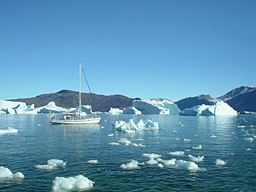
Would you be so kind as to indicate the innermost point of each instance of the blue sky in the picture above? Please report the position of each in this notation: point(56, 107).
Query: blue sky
point(139, 48)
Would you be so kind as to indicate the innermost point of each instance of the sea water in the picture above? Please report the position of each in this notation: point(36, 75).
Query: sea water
point(224, 138)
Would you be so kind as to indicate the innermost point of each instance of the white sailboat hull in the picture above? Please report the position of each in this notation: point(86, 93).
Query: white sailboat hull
point(77, 121)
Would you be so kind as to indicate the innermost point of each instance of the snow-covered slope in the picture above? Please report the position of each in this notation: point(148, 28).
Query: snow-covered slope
point(219, 109)
point(156, 106)
point(51, 108)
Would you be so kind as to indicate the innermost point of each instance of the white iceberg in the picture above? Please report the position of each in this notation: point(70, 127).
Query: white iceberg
point(8, 131)
point(199, 147)
point(115, 111)
point(177, 153)
point(51, 108)
point(220, 162)
point(131, 110)
point(167, 163)
point(197, 159)
point(132, 127)
point(219, 109)
point(131, 165)
point(6, 173)
point(77, 183)
point(156, 106)
point(186, 165)
point(94, 161)
point(13, 107)
point(52, 164)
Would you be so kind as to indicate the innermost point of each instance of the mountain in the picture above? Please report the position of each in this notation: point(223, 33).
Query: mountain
point(241, 99)
point(193, 101)
point(68, 99)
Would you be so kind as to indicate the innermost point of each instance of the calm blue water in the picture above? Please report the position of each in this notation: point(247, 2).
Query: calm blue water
point(37, 141)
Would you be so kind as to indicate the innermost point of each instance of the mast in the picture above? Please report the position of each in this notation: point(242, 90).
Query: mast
point(80, 89)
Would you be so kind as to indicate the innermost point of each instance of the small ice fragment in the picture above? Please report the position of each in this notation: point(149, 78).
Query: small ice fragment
point(249, 139)
point(131, 165)
point(248, 149)
point(160, 165)
point(46, 167)
point(114, 143)
point(18, 175)
point(167, 163)
point(138, 145)
point(56, 162)
point(124, 141)
point(199, 147)
point(110, 135)
point(187, 140)
point(220, 162)
point(213, 136)
point(151, 162)
point(77, 183)
point(186, 165)
point(151, 155)
point(7, 131)
point(93, 161)
point(196, 159)
point(177, 153)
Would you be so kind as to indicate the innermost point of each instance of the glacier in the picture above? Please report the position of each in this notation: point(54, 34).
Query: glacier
point(219, 109)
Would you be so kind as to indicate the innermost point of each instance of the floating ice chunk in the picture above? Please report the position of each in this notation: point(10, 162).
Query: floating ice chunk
point(196, 159)
point(115, 111)
point(131, 165)
point(249, 139)
point(46, 167)
point(167, 163)
point(18, 175)
point(9, 130)
point(151, 155)
point(199, 147)
point(177, 153)
point(186, 165)
point(151, 162)
point(187, 140)
point(181, 124)
point(93, 161)
point(241, 126)
point(248, 149)
point(124, 141)
point(6, 173)
point(132, 127)
point(138, 145)
point(213, 136)
point(52, 164)
point(220, 162)
point(77, 183)
point(114, 143)
point(110, 135)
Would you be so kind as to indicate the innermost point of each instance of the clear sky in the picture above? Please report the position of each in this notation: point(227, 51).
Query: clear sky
point(139, 48)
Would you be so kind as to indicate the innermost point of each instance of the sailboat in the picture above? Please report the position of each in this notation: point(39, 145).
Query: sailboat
point(78, 119)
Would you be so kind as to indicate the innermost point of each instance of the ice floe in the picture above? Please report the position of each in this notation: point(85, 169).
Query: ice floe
point(114, 143)
point(131, 110)
point(196, 159)
point(177, 153)
point(199, 147)
point(52, 164)
point(156, 106)
point(115, 111)
point(187, 140)
point(249, 139)
point(151, 155)
point(131, 165)
point(77, 183)
point(220, 162)
point(219, 109)
point(6, 174)
point(8, 131)
point(186, 165)
point(94, 161)
point(132, 127)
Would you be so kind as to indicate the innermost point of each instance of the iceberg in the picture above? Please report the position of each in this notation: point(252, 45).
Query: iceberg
point(115, 111)
point(8, 131)
point(186, 165)
point(131, 110)
point(219, 109)
point(220, 162)
point(156, 106)
point(196, 159)
point(132, 127)
point(77, 183)
point(51, 108)
point(52, 164)
point(131, 165)
point(6, 173)
point(13, 107)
